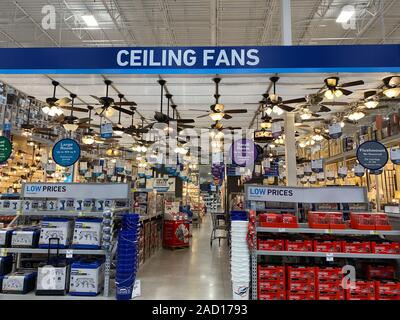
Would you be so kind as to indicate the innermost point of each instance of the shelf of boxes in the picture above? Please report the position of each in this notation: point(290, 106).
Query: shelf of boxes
point(5, 251)
point(327, 255)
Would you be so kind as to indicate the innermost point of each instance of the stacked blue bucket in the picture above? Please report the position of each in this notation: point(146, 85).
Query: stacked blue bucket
point(127, 253)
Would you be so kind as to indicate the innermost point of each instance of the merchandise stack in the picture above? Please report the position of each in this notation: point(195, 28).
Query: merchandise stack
point(240, 262)
point(127, 256)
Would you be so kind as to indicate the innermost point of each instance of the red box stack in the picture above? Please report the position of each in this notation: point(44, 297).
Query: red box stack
point(380, 271)
point(322, 245)
point(275, 220)
point(387, 290)
point(363, 290)
point(369, 221)
point(329, 280)
point(271, 244)
point(349, 246)
point(385, 247)
point(301, 282)
point(299, 245)
point(271, 282)
point(326, 220)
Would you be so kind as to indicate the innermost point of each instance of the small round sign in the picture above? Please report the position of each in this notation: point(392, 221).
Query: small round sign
point(372, 155)
point(5, 149)
point(66, 152)
point(243, 152)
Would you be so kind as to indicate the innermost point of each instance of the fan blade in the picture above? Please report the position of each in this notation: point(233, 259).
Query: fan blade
point(83, 120)
point(277, 120)
point(299, 100)
point(184, 120)
point(314, 88)
point(42, 129)
point(236, 111)
point(326, 136)
point(227, 116)
point(312, 120)
point(203, 116)
point(63, 102)
point(315, 115)
point(233, 128)
point(346, 92)
point(335, 103)
point(47, 134)
point(352, 84)
point(122, 110)
point(125, 103)
point(198, 110)
point(286, 108)
point(324, 109)
point(74, 109)
point(97, 98)
point(185, 126)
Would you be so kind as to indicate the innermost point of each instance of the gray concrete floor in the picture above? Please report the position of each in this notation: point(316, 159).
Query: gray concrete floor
point(200, 272)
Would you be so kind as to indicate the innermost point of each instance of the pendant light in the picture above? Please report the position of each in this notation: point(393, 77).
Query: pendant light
point(218, 108)
point(88, 138)
point(70, 125)
point(118, 129)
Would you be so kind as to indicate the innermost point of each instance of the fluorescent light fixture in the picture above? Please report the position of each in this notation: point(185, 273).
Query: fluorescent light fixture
point(90, 21)
point(346, 14)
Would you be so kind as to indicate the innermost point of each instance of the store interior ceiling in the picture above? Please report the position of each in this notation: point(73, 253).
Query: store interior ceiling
point(196, 92)
point(194, 23)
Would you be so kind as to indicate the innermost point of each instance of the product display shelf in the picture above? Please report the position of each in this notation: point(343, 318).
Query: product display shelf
point(327, 255)
point(144, 218)
point(303, 228)
point(5, 251)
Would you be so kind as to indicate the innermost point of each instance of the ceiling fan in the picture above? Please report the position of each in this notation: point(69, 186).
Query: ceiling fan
point(108, 103)
point(163, 118)
point(29, 129)
point(218, 111)
point(333, 89)
point(54, 104)
point(72, 123)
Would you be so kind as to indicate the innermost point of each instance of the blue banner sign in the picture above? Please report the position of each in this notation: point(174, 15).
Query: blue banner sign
point(66, 152)
point(189, 60)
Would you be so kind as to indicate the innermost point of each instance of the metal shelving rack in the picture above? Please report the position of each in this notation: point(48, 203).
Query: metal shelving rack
point(69, 252)
point(304, 229)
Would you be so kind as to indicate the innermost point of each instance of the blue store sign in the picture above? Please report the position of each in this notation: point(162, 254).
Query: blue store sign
point(66, 152)
point(189, 60)
point(372, 155)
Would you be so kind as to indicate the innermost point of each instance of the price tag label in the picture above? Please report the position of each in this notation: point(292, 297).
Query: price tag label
point(373, 232)
point(3, 252)
point(69, 254)
point(281, 230)
point(329, 257)
point(328, 231)
point(136, 291)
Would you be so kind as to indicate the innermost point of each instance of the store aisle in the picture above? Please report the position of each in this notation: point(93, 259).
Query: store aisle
point(200, 272)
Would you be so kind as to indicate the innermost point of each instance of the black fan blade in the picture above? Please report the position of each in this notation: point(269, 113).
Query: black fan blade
point(203, 116)
point(184, 120)
point(352, 84)
point(324, 109)
point(74, 109)
point(346, 92)
point(233, 128)
point(122, 110)
point(335, 103)
point(312, 120)
point(299, 100)
point(326, 136)
point(227, 116)
point(97, 98)
point(315, 115)
point(236, 111)
point(286, 108)
point(125, 103)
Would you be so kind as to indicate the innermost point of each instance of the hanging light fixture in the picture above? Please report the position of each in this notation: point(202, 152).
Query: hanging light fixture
point(317, 137)
point(278, 111)
point(392, 93)
point(217, 116)
point(305, 116)
point(71, 126)
point(88, 138)
point(356, 116)
point(371, 104)
point(268, 111)
point(118, 129)
point(302, 144)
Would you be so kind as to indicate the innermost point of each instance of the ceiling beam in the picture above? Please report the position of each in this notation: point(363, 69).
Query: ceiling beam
point(167, 21)
point(214, 22)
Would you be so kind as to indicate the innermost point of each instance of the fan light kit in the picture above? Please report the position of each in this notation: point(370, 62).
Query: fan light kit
point(88, 139)
point(305, 116)
point(317, 137)
point(332, 94)
point(392, 92)
point(216, 116)
point(357, 115)
point(265, 125)
point(70, 126)
point(278, 111)
point(371, 104)
point(302, 144)
point(118, 131)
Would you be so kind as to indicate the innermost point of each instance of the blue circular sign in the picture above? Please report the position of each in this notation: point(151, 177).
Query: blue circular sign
point(66, 152)
point(243, 152)
point(372, 155)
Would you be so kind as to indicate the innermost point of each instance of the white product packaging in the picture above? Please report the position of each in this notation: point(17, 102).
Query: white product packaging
point(55, 228)
point(88, 281)
point(51, 205)
point(24, 238)
point(87, 234)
